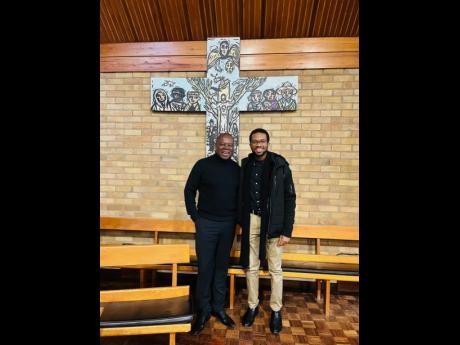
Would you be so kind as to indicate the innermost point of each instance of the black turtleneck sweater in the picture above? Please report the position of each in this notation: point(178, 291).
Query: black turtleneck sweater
point(217, 181)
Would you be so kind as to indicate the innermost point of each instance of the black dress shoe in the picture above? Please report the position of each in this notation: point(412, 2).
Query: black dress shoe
point(224, 318)
point(199, 324)
point(275, 322)
point(249, 316)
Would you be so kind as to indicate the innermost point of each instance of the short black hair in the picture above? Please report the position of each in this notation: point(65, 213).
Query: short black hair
point(259, 130)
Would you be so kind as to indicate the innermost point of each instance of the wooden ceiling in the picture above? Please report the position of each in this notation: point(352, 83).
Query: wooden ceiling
point(123, 21)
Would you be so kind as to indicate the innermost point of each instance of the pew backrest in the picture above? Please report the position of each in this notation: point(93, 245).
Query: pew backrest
point(125, 256)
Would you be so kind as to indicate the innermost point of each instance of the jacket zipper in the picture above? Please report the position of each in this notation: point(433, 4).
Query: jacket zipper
point(270, 205)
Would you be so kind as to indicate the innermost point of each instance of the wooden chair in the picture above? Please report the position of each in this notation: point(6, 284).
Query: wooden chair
point(146, 310)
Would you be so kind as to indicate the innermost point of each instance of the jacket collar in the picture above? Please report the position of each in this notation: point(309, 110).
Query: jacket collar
point(272, 157)
point(269, 157)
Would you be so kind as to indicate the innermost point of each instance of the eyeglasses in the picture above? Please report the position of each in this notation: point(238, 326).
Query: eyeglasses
point(255, 142)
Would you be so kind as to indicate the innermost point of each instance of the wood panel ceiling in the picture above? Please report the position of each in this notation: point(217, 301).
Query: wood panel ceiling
point(124, 21)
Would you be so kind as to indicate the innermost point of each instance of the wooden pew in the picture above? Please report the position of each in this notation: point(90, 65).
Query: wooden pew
point(313, 266)
point(146, 310)
point(322, 268)
point(154, 226)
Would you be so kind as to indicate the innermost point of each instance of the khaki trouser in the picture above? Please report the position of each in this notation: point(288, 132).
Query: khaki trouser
point(274, 254)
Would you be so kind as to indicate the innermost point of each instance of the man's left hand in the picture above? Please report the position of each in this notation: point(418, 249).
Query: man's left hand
point(282, 241)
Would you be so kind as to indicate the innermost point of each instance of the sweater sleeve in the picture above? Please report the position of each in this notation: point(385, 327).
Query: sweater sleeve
point(190, 190)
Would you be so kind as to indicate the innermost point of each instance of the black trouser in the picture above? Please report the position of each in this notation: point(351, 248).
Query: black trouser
point(213, 243)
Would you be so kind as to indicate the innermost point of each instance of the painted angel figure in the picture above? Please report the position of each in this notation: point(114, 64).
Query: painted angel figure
point(224, 57)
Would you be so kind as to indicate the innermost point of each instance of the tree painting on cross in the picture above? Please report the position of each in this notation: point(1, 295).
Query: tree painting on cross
point(223, 94)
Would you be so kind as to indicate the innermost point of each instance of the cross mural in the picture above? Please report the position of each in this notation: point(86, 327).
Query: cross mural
point(221, 93)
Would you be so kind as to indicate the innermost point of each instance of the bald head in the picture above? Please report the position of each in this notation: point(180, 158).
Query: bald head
point(222, 135)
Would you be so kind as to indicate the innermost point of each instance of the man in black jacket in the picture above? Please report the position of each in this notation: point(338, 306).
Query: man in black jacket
point(266, 214)
point(217, 179)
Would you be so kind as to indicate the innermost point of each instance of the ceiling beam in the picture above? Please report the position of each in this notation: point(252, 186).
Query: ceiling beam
point(269, 54)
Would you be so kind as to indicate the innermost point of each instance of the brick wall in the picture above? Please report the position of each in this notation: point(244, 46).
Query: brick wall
point(146, 157)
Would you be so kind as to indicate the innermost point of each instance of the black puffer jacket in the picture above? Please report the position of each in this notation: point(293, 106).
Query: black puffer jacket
point(277, 199)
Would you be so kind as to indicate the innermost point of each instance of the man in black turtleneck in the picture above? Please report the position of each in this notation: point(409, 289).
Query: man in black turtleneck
point(217, 179)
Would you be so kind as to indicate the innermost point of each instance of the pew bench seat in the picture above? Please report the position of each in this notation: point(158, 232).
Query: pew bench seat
point(168, 311)
point(297, 270)
point(288, 266)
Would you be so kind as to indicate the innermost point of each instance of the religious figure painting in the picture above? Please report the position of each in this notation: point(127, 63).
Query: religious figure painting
point(174, 94)
point(223, 94)
point(274, 94)
point(224, 56)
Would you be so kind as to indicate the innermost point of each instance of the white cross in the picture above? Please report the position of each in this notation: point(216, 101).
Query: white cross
point(221, 93)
